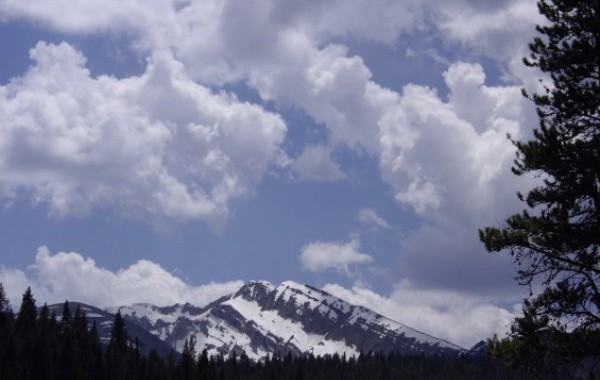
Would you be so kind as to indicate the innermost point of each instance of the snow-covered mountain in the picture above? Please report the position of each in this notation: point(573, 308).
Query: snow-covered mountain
point(261, 319)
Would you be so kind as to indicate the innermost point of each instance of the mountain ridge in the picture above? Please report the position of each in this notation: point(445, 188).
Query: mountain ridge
point(261, 319)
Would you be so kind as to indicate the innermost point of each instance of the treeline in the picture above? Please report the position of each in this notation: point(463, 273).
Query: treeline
point(36, 345)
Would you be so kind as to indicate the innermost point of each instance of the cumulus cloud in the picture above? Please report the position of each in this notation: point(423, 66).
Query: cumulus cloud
point(281, 53)
point(378, 20)
point(453, 316)
point(291, 62)
point(369, 216)
point(69, 275)
point(320, 256)
point(449, 161)
point(224, 41)
point(499, 31)
point(454, 154)
point(156, 145)
point(315, 164)
point(89, 16)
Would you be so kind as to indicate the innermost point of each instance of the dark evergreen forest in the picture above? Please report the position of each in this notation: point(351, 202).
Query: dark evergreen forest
point(35, 345)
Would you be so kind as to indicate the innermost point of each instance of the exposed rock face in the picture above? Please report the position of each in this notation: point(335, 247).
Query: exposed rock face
point(261, 319)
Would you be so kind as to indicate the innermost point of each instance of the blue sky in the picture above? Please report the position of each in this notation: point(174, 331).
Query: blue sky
point(167, 152)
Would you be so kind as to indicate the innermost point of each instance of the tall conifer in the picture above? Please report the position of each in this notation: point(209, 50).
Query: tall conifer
point(556, 241)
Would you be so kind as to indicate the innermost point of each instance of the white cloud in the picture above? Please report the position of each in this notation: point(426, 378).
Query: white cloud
point(455, 317)
point(315, 164)
point(449, 161)
point(500, 31)
point(453, 156)
point(70, 276)
point(225, 36)
point(157, 145)
point(89, 15)
point(290, 61)
point(15, 282)
point(320, 256)
point(368, 215)
point(286, 62)
point(446, 159)
point(377, 20)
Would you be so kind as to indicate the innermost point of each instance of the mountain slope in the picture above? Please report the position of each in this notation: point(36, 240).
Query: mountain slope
point(261, 319)
point(104, 322)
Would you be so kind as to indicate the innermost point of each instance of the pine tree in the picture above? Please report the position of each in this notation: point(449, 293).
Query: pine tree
point(117, 355)
point(66, 316)
point(95, 353)
point(79, 321)
point(44, 347)
point(25, 328)
point(556, 242)
point(26, 320)
point(8, 347)
point(187, 361)
point(202, 364)
point(118, 335)
point(4, 305)
point(68, 355)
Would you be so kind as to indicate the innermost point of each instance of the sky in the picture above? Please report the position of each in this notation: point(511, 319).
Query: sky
point(169, 151)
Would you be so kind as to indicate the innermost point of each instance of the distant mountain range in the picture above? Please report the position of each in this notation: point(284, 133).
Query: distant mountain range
point(262, 319)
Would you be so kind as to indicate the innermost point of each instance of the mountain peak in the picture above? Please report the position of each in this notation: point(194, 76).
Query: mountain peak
point(261, 319)
point(291, 284)
point(254, 290)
